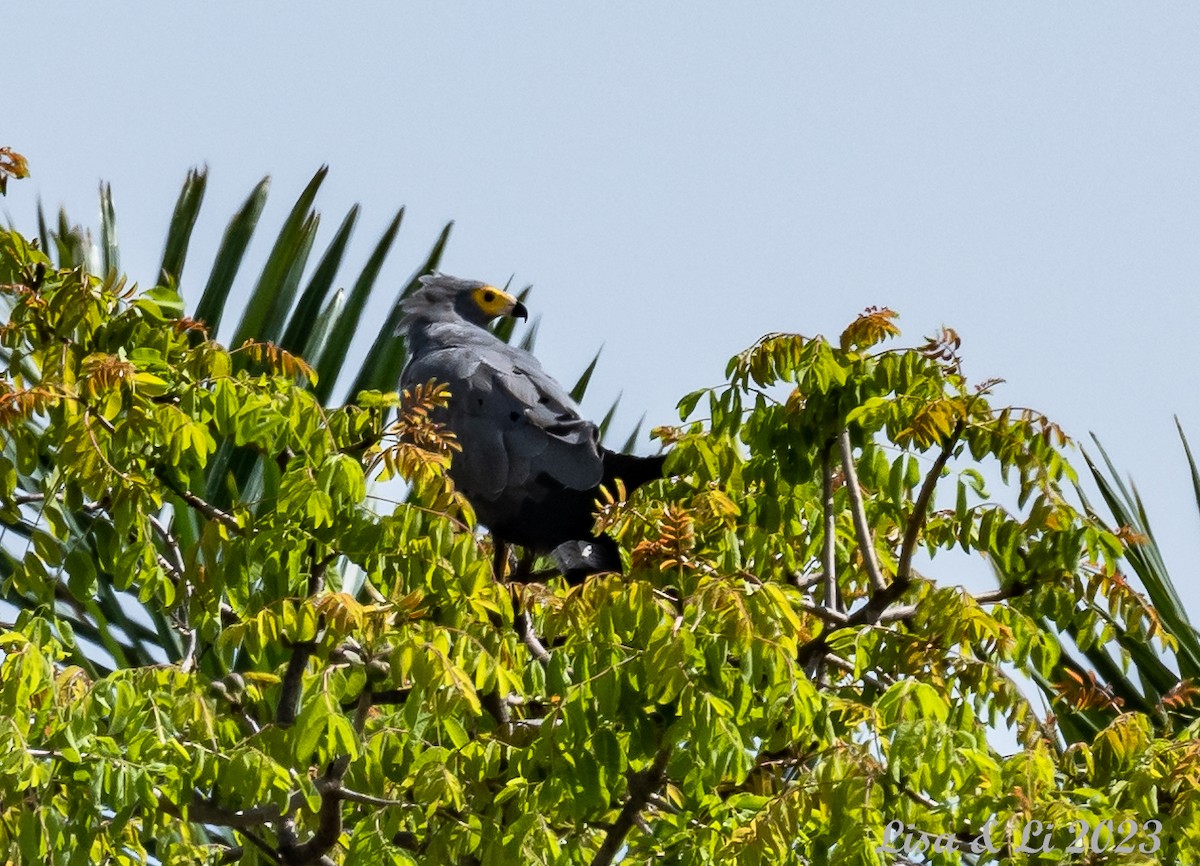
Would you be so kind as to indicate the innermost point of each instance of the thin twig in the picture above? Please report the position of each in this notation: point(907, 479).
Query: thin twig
point(1019, 587)
point(866, 543)
point(920, 799)
point(908, 611)
point(169, 567)
point(172, 545)
point(174, 566)
point(188, 663)
point(879, 601)
point(368, 799)
point(232, 854)
point(848, 666)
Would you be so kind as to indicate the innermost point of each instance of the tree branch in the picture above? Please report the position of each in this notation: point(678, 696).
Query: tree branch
point(390, 696)
point(524, 629)
point(316, 577)
point(917, 520)
point(902, 614)
point(820, 611)
point(848, 667)
point(171, 544)
point(207, 509)
point(804, 583)
point(329, 828)
point(268, 852)
point(880, 600)
point(200, 811)
point(898, 614)
point(1019, 587)
point(641, 787)
point(293, 680)
point(828, 548)
point(866, 543)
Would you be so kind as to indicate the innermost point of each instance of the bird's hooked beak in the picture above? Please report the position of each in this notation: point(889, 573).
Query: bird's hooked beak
point(497, 302)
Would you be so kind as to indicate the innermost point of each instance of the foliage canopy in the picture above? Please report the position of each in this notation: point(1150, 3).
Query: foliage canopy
point(305, 674)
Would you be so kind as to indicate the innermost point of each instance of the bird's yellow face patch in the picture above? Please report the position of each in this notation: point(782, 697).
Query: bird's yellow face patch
point(494, 302)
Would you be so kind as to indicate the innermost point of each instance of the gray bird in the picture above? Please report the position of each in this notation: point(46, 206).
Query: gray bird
point(530, 466)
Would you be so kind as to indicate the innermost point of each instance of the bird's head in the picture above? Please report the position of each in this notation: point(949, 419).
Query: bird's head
point(441, 296)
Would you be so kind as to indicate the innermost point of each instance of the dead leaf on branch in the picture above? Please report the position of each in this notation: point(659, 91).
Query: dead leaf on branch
point(12, 165)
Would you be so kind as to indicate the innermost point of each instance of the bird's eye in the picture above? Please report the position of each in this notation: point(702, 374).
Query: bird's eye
point(488, 297)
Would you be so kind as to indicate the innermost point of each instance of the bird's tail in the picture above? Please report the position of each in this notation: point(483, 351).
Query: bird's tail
point(633, 471)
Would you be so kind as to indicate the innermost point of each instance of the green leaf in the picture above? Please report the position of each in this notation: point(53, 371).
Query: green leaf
point(81, 571)
point(1195, 472)
point(688, 404)
point(1147, 560)
point(311, 727)
point(43, 230)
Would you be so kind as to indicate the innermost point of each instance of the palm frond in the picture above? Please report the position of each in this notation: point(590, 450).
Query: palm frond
point(1145, 558)
point(213, 303)
point(388, 352)
point(183, 221)
point(330, 363)
point(312, 300)
point(110, 257)
point(272, 296)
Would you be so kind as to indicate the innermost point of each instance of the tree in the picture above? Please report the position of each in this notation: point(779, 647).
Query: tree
point(321, 678)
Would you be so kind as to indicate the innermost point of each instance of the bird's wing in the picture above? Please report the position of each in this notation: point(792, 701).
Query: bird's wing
point(515, 423)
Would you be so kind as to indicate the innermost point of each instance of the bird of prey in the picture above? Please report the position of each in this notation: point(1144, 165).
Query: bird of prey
point(530, 466)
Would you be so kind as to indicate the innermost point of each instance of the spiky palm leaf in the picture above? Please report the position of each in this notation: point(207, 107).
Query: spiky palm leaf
point(1132, 673)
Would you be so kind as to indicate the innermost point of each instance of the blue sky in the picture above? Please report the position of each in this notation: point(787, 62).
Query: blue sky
point(677, 179)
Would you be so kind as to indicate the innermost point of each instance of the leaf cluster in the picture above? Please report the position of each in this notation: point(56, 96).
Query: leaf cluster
point(789, 664)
